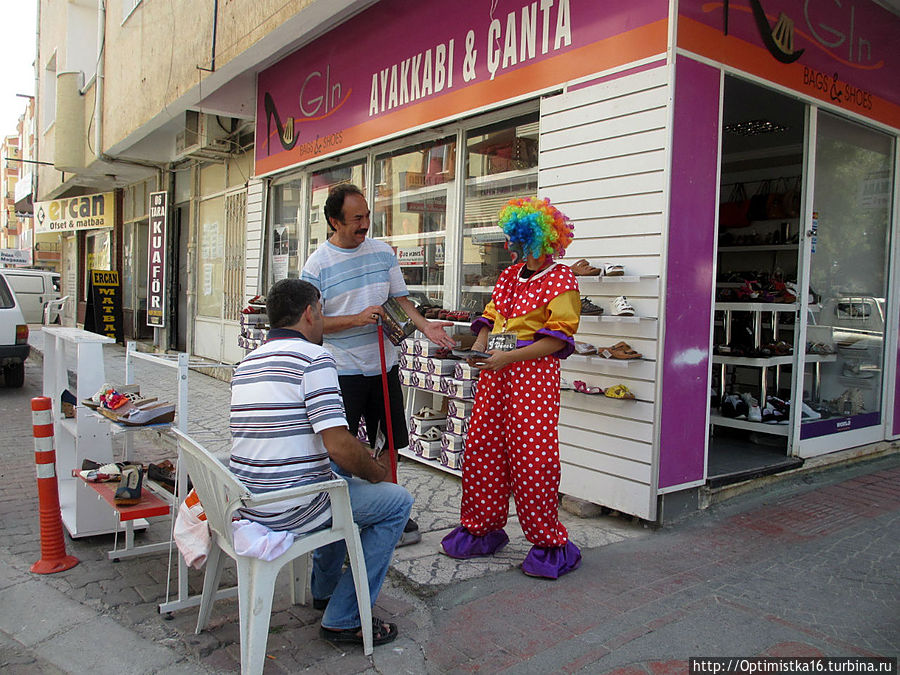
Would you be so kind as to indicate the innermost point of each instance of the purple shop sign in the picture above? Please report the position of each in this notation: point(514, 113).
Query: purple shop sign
point(845, 53)
point(402, 64)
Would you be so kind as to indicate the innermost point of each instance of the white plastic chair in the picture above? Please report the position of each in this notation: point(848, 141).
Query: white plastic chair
point(54, 306)
point(221, 494)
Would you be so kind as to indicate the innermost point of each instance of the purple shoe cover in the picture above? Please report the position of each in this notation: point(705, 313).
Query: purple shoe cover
point(552, 563)
point(461, 544)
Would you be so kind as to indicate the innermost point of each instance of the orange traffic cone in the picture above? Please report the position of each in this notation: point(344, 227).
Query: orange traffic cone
point(53, 543)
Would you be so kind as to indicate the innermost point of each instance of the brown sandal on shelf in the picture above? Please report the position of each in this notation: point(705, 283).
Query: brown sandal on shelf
point(582, 268)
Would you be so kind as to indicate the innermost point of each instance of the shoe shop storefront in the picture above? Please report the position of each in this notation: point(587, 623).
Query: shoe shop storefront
point(803, 241)
point(591, 105)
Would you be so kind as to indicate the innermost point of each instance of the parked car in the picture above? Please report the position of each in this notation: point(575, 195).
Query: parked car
point(13, 337)
point(34, 289)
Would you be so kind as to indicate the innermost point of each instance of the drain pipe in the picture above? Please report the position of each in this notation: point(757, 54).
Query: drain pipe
point(98, 103)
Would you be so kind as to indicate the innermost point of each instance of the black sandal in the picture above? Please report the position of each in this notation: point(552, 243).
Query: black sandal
point(382, 633)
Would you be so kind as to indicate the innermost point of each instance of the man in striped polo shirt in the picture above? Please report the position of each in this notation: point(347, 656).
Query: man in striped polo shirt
point(287, 425)
point(356, 275)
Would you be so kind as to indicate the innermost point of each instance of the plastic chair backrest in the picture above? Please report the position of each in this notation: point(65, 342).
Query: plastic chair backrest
point(219, 490)
point(54, 306)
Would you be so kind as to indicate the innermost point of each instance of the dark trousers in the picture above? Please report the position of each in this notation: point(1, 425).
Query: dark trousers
point(364, 397)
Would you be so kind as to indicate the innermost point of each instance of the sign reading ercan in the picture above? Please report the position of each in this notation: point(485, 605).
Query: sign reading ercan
point(86, 212)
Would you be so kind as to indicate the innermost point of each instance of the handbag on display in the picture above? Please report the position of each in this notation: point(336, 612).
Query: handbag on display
point(790, 200)
point(775, 207)
point(734, 212)
point(759, 201)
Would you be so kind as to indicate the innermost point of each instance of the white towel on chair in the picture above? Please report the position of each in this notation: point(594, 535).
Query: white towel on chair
point(192, 532)
point(258, 541)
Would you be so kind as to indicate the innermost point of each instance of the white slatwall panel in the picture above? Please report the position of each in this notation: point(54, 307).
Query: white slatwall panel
point(255, 247)
point(603, 163)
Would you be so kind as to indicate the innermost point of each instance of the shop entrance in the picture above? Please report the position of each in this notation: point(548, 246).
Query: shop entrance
point(757, 279)
point(801, 284)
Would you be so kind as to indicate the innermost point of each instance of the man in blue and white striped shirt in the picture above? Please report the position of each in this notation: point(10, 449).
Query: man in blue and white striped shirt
point(287, 424)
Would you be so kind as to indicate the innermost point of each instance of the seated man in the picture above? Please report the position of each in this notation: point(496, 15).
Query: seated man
point(287, 421)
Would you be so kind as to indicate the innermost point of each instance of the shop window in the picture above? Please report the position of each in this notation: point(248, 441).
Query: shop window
point(97, 255)
point(321, 183)
point(211, 258)
point(412, 187)
point(285, 240)
point(848, 273)
point(48, 87)
point(501, 163)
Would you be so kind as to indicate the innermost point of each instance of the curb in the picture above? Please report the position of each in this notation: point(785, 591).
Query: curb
point(836, 460)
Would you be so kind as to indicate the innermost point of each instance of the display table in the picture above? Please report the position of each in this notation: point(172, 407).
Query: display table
point(84, 437)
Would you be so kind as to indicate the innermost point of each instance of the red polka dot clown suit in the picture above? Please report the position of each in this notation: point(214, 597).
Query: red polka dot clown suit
point(512, 442)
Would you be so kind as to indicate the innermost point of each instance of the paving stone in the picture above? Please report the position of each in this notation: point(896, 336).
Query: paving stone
point(767, 569)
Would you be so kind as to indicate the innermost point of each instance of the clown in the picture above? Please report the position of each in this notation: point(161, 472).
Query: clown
point(512, 443)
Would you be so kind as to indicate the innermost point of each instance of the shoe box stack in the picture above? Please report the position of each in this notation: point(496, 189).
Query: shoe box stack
point(453, 440)
point(438, 434)
point(254, 324)
point(425, 431)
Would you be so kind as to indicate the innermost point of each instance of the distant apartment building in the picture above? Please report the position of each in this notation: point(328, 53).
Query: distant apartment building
point(18, 164)
point(9, 177)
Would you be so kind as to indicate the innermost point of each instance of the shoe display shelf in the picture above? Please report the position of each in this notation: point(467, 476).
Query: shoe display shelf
point(717, 419)
point(760, 248)
point(646, 285)
point(85, 436)
point(417, 398)
point(763, 364)
point(595, 360)
point(587, 282)
point(605, 318)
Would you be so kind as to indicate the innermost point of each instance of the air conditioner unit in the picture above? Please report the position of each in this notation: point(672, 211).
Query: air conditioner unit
point(203, 137)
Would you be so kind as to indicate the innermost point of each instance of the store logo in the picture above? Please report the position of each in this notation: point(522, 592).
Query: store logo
point(778, 39)
point(285, 130)
point(319, 98)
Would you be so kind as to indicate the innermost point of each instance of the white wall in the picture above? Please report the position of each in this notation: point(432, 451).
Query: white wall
point(255, 242)
point(602, 162)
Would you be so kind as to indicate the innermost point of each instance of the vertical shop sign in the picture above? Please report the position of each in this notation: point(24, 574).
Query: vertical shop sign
point(104, 305)
point(156, 261)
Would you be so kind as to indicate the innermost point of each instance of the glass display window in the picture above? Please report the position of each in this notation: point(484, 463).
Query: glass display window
point(211, 258)
point(320, 183)
point(97, 255)
point(285, 241)
point(414, 188)
point(501, 163)
point(848, 277)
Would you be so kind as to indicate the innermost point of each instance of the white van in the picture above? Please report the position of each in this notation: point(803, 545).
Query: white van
point(33, 289)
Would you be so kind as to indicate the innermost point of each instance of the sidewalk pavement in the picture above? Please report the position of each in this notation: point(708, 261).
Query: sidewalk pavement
point(809, 566)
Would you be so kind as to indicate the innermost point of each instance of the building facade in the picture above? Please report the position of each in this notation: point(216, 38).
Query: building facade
point(739, 160)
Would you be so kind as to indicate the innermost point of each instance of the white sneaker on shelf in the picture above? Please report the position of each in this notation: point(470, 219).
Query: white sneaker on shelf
point(755, 413)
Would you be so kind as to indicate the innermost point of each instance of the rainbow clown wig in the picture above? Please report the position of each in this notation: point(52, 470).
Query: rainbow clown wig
point(537, 226)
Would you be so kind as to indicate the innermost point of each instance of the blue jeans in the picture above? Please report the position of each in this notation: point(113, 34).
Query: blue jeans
point(381, 511)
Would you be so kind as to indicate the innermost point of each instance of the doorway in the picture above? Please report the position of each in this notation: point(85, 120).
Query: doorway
point(181, 282)
point(758, 265)
point(801, 284)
